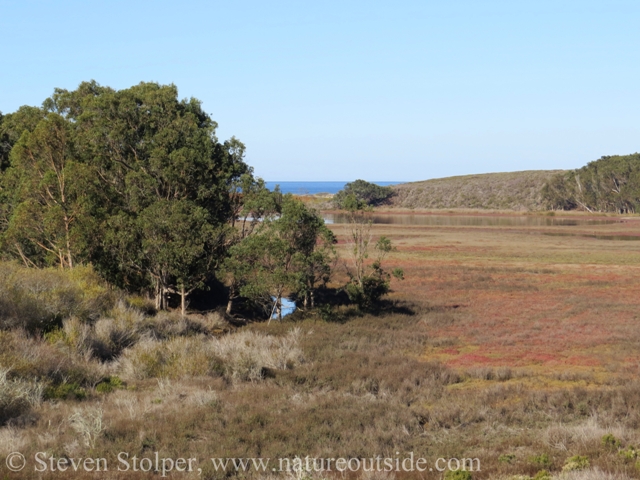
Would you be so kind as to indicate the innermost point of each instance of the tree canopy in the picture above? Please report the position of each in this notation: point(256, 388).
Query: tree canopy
point(610, 184)
point(365, 192)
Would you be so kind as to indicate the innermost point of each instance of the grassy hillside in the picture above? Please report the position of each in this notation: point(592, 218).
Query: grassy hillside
point(499, 191)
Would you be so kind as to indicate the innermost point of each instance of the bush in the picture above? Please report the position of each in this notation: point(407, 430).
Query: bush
point(242, 356)
point(364, 192)
point(577, 462)
point(541, 460)
point(33, 359)
point(109, 384)
point(17, 396)
point(458, 475)
point(65, 391)
point(39, 299)
point(506, 458)
point(610, 441)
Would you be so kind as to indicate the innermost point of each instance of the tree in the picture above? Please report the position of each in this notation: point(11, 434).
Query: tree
point(252, 204)
point(134, 181)
point(368, 281)
point(47, 190)
point(365, 192)
point(610, 184)
point(286, 254)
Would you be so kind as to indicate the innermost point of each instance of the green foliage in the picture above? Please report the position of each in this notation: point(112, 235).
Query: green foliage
point(38, 299)
point(109, 384)
point(610, 441)
point(65, 391)
point(362, 192)
point(541, 460)
point(577, 462)
point(506, 458)
point(629, 453)
point(458, 475)
point(133, 181)
point(287, 254)
point(542, 475)
point(610, 184)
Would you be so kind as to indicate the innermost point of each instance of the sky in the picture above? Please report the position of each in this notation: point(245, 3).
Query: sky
point(340, 90)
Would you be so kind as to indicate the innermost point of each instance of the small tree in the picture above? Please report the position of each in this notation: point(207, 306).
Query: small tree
point(286, 254)
point(368, 280)
point(365, 192)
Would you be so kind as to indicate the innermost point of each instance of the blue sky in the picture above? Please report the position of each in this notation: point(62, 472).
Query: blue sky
point(339, 90)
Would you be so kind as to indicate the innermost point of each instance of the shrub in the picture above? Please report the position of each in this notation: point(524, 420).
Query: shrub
point(89, 424)
point(458, 475)
point(243, 356)
point(577, 462)
point(34, 359)
point(506, 458)
point(541, 460)
point(610, 441)
point(363, 191)
point(39, 299)
point(17, 396)
point(629, 453)
point(109, 384)
point(542, 475)
point(65, 391)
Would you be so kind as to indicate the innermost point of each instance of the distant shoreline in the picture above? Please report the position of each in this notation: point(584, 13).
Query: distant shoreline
point(317, 187)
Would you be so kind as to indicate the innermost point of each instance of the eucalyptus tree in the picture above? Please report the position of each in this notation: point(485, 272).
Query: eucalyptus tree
point(46, 189)
point(139, 174)
point(253, 205)
point(168, 184)
point(287, 254)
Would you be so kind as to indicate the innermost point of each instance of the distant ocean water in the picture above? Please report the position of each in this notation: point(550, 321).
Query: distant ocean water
point(311, 188)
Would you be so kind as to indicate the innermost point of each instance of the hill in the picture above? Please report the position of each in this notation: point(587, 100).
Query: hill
point(496, 191)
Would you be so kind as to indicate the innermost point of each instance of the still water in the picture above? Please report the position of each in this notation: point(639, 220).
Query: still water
point(473, 220)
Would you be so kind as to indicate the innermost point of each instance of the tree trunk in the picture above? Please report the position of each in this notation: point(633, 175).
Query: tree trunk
point(229, 305)
point(183, 300)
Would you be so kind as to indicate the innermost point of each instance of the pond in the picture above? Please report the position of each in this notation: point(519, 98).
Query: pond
point(473, 220)
point(288, 307)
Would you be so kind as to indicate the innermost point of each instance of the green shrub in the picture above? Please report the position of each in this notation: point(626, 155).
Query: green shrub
point(541, 460)
point(109, 384)
point(506, 458)
point(39, 299)
point(629, 453)
point(610, 441)
point(458, 475)
point(577, 462)
point(542, 475)
point(65, 391)
point(363, 191)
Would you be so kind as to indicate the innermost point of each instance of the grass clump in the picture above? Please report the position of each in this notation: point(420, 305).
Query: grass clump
point(244, 356)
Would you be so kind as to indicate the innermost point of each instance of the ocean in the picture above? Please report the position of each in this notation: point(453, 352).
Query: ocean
point(311, 188)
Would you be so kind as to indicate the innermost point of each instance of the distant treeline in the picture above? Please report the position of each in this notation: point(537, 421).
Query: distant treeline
point(610, 184)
